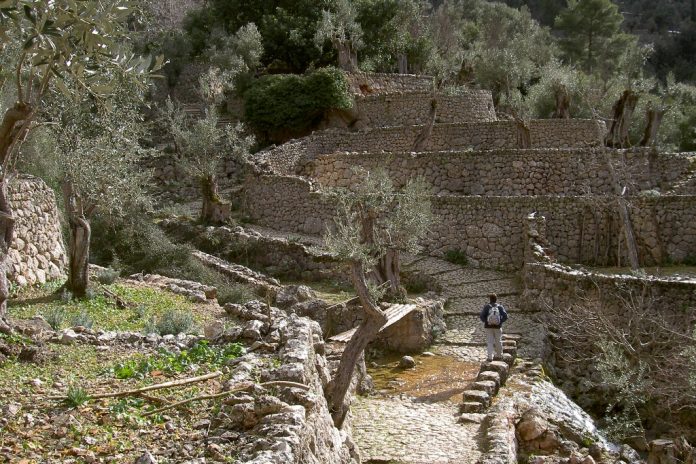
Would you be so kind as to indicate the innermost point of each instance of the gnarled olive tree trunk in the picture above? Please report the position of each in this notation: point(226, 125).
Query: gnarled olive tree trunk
point(562, 110)
point(402, 60)
point(424, 136)
point(372, 322)
point(617, 136)
point(524, 137)
point(653, 119)
point(78, 246)
point(388, 271)
point(347, 57)
point(15, 124)
point(214, 210)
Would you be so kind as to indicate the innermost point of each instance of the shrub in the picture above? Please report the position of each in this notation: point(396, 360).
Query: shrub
point(289, 101)
point(172, 322)
point(456, 257)
point(107, 276)
point(234, 293)
point(77, 396)
point(82, 319)
point(55, 317)
point(415, 284)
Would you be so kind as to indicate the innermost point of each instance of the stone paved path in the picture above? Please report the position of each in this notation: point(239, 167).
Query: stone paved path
point(403, 431)
point(412, 433)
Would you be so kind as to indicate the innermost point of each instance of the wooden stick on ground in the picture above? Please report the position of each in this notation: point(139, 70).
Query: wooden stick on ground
point(235, 389)
point(138, 391)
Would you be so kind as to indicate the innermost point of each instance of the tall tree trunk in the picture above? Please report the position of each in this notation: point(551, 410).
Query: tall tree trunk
point(562, 110)
point(422, 139)
point(214, 210)
point(631, 245)
point(7, 223)
point(372, 322)
point(524, 138)
point(623, 111)
point(388, 268)
point(78, 246)
point(12, 127)
point(402, 59)
point(347, 57)
point(653, 120)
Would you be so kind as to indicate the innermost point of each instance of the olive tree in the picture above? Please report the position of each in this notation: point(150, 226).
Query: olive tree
point(340, 27)
point(373, 225)
point(203, 145)
point(66, 47)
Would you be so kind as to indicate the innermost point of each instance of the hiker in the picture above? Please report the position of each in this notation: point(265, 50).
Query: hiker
point(493, 315)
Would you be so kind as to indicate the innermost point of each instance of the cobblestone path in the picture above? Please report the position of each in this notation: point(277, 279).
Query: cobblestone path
point(407, 431)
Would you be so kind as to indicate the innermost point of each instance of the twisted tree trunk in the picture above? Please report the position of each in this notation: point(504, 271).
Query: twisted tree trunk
point(214, 210)
point(653, 119)
point(422, 139)
point(372, 322)
point(524, 137)
point(617, 136)
point(562, 110)
point(402, 59)
point(631, 245)
point(7, 223)
point(347, 57)
point(79, 243)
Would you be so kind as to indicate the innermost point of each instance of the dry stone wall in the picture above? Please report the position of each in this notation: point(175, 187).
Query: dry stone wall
point(383, 83)
point(558, 133)
point(407, 109)
point(491, 231)
point(37, 253)
point(506, 172)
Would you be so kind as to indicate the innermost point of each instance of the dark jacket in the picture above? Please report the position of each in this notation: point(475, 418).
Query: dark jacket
point(484, 315)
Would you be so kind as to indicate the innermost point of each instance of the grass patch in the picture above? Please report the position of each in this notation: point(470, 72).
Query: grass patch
point(201, 355)
point(145, 303)
point(172, 322)
point(76, 396)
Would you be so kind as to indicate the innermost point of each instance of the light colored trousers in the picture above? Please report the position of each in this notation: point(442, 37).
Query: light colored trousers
point(494, 342)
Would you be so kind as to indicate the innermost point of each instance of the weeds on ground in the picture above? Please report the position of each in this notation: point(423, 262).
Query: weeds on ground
point(456, 257)
point(201, 355)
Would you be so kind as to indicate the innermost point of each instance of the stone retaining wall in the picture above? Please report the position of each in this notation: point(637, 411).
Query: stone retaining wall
point(37, 253)
point(407, 109)
point(507, 172)
point(386, 83)
point(556, 133)
point(492, 230)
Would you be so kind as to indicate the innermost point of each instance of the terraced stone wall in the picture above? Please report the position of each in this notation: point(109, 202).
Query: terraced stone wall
point(507, 172)
point(383, 83)
point(492, 230)
point(37, 253)
point(558, 133)
point(407, 109)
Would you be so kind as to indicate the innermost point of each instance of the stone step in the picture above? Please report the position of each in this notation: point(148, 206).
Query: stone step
point(501, 367)
point(489, 386)
point(477, 396)
point(472, 407)
point(489, 376)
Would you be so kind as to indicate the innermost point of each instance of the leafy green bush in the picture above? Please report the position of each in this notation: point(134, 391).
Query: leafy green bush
point(107, 276)
point(201, 354)
point(456, 257)
point(289, 101)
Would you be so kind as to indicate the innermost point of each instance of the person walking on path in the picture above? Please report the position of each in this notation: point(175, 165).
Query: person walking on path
point(493, 316)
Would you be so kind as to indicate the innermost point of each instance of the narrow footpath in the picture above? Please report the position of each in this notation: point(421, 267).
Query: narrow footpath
point(419, 429)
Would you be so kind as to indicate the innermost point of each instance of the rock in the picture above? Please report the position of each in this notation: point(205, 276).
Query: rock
point(146, 458)
point(489, 386)
point(68, 337)
point(588, 460)
point(549, 442)
point(471, 418)
point(531, 426)
point(629, 455)
point(252, 330)
point(11, 410)
point(214, 330)
point(407, 362)
point(268, 404)
point(476, 396)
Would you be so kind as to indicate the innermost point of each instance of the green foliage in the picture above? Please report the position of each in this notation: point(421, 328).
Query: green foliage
point(55, 317)
point(82, 319)
point(592, 36)
point(171, 322)
point(107, 276)
point(294, 102)
point(456, 257)
point(234, 293)
point(338, 25)
point(76, 396)
point(201, 355)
